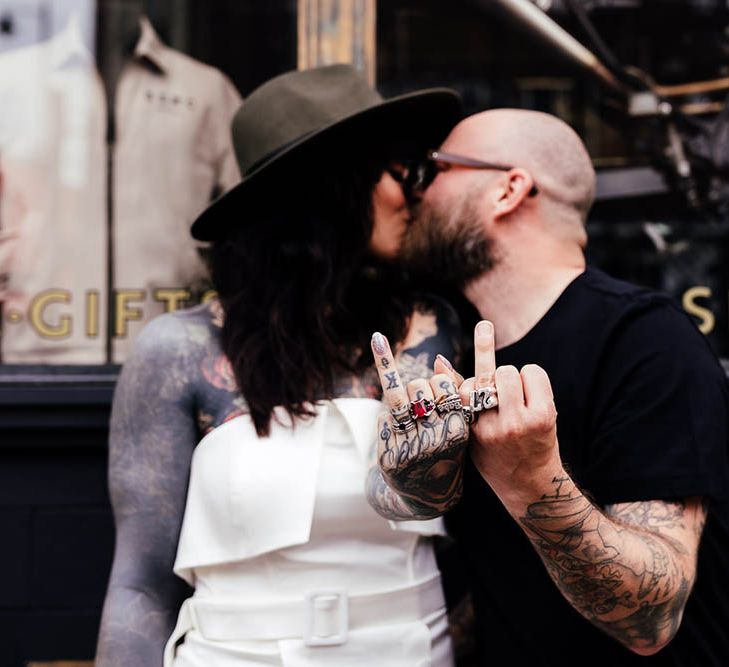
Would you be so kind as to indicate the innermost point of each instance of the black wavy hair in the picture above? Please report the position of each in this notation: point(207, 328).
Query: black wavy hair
point(300, 290)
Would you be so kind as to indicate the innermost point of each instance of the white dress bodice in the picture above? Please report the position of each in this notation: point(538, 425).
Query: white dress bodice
point(271, 520)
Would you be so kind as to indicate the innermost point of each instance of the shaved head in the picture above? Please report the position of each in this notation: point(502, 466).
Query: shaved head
point(449, 236)
point(544, 145)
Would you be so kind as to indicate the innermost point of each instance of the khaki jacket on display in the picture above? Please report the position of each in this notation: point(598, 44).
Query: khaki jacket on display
point(171, 150)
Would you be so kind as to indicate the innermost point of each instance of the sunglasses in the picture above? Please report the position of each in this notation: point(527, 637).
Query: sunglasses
point(415, 176)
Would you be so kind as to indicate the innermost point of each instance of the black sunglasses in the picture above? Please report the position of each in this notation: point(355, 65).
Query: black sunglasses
point(416, 175)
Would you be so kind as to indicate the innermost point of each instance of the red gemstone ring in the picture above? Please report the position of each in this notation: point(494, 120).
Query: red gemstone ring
point(421, 408)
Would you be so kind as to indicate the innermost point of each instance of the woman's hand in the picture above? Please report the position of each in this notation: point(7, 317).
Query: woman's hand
point(420, 457)
point(513, 430)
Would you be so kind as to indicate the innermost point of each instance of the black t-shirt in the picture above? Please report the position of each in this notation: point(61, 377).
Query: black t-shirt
point(642, 414)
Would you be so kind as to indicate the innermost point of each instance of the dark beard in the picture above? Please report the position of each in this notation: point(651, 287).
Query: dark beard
point(452, 252)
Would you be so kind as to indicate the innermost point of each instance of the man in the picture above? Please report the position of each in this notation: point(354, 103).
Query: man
point(580, 530)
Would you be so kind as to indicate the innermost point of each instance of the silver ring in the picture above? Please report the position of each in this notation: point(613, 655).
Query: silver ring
point(448, 403)
point(401, 415)
point(469, 415)
point(404, 426)
point(483, 399)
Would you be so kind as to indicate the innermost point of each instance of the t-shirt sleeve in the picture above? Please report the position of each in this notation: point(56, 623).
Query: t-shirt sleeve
point(659, 424)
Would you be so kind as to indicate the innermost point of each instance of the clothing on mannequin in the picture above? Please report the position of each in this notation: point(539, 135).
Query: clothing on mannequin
point(105, 160)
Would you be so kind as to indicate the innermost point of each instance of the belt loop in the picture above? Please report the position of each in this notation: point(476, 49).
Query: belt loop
point(323, 605)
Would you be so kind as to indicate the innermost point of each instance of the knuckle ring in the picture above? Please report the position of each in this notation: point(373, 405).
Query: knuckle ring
point(448, 403)
point(421, 408)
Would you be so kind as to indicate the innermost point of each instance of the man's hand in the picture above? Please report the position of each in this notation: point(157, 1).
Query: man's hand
point(423, 463)
point(514, 444)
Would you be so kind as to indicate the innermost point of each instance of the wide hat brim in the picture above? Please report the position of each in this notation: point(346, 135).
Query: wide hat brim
point(413, 122)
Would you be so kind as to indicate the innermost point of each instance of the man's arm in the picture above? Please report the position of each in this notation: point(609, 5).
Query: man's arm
point(153, 434)
point(434, 330)
point(628, 569)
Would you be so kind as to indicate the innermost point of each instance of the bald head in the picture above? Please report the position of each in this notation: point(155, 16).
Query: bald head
point(542, 144)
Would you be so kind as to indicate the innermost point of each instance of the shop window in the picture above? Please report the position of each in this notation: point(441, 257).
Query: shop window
point(114, 135)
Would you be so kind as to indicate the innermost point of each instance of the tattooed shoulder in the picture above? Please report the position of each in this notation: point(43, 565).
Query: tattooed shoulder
point(433, 330)
point(203, 367)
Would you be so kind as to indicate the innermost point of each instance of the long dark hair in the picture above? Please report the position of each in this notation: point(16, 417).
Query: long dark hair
point(300, 291)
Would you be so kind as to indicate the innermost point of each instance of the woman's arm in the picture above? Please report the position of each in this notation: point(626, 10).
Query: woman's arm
point(153, 434)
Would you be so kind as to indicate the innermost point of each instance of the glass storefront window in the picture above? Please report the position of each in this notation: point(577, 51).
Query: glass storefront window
point(112, 140)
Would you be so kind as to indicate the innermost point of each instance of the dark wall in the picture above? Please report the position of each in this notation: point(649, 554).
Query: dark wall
point(55, 519)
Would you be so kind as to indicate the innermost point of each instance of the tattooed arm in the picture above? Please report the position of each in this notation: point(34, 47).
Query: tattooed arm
point(153, 433)
point(628, 569)
point(424, 466)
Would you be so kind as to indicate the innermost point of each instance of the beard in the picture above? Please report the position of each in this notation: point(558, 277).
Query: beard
point(448, 243)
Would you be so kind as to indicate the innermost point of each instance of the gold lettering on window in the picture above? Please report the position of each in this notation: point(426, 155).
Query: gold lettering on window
point(123, 312)
point(59, 329)
point(172, 298)
point(706, 317)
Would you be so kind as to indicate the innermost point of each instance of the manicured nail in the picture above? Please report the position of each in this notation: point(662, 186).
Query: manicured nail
point(445, 361)
point(379, 344)
point(484, 328)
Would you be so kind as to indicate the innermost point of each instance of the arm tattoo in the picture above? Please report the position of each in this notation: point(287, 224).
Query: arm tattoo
point(628, 570)
point(175, 381)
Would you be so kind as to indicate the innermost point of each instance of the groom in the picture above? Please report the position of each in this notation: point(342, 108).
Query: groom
point(595, 533)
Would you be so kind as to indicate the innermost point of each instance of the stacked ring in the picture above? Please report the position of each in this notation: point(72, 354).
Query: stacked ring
point(402, 421)
point(403, 427)
point(448, 403)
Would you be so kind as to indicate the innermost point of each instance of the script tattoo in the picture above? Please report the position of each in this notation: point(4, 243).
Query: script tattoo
point(624, 570)
point(391, 381)
point(425, 466)
point(385, 362)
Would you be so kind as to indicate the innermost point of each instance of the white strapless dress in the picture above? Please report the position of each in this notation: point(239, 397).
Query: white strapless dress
point(290, 564)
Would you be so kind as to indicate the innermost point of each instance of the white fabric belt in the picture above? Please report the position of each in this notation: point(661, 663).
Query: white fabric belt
point(323, 617)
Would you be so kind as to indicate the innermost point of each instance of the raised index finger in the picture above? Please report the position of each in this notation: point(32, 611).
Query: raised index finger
point(393, 391)
point(485, 362)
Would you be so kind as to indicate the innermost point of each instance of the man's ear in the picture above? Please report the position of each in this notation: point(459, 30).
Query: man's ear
point(515, 188)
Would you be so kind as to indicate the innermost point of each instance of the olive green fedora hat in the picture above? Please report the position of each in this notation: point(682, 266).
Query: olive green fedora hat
point(299, 117)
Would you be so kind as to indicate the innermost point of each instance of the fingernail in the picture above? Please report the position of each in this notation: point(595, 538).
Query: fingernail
point(484, 328)
point(445, 361)
point(379, 344)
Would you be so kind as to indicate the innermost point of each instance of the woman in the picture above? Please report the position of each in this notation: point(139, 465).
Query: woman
point(253, 416)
